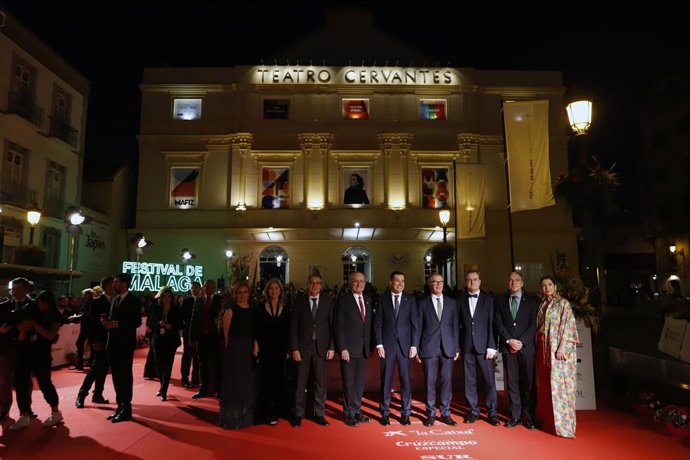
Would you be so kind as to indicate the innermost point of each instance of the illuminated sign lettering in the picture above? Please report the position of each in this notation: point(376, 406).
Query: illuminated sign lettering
point(151, 276)
point(299, 75)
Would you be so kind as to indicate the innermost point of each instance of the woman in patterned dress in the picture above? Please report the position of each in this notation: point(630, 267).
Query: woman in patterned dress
point(556, 362)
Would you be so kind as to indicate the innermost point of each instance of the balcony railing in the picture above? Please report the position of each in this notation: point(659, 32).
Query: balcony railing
point(16, 194)
point(62, 130)
point(23, 105)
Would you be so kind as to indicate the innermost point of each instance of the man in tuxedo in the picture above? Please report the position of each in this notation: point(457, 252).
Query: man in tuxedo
point(515, 322)
point(311, 344)
point(205, 336)
point(97, 335)
point(478, 346)
point(437, 341)
point(122, 324)
point(190, 358)
point(395, 326)
point(352, 337)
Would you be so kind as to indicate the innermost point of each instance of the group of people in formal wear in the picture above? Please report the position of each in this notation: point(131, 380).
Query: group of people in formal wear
point(245, 353)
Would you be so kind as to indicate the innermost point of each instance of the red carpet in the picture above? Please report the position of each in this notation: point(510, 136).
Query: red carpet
point(185, 428)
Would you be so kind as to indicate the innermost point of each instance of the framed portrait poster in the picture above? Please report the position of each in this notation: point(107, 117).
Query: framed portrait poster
point(435, 187)
point(184, 187)
point(275, 187)
point(356, 187)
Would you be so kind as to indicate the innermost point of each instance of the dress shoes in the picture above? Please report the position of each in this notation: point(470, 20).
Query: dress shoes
point(321, 420)
point(33, 414)
point(529, 424)
point(430, 421)
point(114, 414)
point(351, 421)
point(79, 403)
point(201, 394)
point(273, 421)
point(512, 423)
point(448, 420)
point(99, 399)
point(158, 393)
point(296, 422)
point(385, 420)
point(362, 418)
point(405, 420)
point(186, 384)
point(125, 415)
point(471, 418)
point(493, 420)
point(164, 397)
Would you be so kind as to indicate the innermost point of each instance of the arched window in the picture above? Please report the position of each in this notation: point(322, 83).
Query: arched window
point(273, 263)
point(356, 259)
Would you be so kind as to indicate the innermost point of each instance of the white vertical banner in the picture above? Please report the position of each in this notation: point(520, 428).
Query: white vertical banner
point(527, 149)
point(586, 397)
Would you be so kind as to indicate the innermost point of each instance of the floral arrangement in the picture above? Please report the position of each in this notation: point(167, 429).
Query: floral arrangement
point(571, 287)
point(674, 415)
point(238, 269)
point(675, 418)
point(588, 184)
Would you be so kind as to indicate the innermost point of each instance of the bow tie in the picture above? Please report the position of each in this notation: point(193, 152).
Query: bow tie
point(472, 295)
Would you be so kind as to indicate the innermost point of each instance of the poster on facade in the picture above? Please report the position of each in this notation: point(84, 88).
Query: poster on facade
point(435, 188)
point(275, 187)
point(432, 109)
point(94, 249)
point(184, 187)
point(356, 109)
point(356, 187)
point(276, 109)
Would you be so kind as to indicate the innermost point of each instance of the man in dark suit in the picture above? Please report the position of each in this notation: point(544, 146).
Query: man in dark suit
point(352, 337)
point(190, 358)
point(122, 324)
point(515, 322)
point(98, 336)
point(311, 343)
point(437, 341)
point(204, 335)
point(478, 346)
point(395, 326)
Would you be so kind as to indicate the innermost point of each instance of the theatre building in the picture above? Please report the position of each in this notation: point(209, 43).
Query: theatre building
point(338, 168)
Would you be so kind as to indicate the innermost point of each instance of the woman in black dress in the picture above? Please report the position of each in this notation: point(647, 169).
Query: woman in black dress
point(241, 348)
point(164, 324)
point(273, 343)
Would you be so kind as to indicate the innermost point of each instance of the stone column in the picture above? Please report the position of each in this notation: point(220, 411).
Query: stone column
point(241, 146)
point(396, 148)
point(315, 149)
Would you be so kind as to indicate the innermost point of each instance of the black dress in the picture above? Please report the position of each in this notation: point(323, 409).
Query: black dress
point(237, 394)
point(273, 349)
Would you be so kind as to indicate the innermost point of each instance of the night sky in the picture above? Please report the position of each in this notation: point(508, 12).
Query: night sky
point(614, 56)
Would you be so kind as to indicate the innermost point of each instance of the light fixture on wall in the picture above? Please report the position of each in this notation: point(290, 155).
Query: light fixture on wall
point(580, 116)
point(444, 217)
point(673, 249)
point(33, 217)
point(139, 242)
point(186, 255)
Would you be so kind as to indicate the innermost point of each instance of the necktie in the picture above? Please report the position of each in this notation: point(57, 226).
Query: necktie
point(396, 306)
point(361, 306)
point(439, 308)
point(513, 306)
point(116, 304)
point(314, 306)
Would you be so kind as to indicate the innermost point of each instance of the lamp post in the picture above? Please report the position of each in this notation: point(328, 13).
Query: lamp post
point(73, 220)
point(444, 217)
point(33, 216)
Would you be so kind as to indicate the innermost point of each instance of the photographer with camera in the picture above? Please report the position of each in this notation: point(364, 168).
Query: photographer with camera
point(38, 330)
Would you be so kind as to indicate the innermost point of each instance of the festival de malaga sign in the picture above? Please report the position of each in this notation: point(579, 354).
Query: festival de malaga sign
point(151, 276)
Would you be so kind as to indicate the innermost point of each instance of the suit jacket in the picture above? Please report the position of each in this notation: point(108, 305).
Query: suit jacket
point(128, 316)
point(351, 333)
point(12, 315)
point(187, 309)
point(391, 331)
point(172, 336)
point(434, 335)
point(476, 333)
point(95, 331)
point(197, 315)
point(523, 327)
point(303, 326)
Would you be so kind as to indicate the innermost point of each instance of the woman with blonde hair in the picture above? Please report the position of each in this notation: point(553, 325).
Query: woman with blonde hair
point(556, 362)
point(272, 333)
point(164, 325)
point(241, 348)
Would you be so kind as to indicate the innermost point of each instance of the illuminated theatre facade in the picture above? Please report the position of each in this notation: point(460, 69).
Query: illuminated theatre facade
point(331, 169)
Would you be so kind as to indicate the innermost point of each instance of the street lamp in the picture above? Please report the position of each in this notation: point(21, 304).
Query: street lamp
point(73, 221)
point(186, 255)
point(33, 216)
point(580, 116)
point(140, 242)
point(444, 217)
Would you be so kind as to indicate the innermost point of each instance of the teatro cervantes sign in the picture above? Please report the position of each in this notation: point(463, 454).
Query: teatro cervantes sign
point(310, 75)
